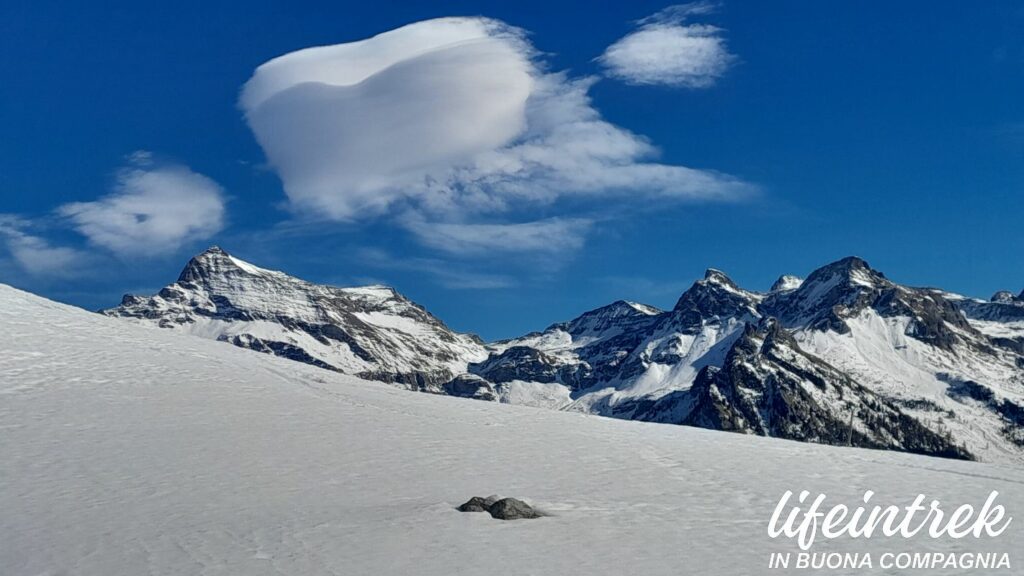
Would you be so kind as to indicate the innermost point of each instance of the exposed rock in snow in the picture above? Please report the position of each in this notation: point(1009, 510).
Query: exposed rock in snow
point(512, 509)
point(1001, 319)
point(502, 509)
point(531, 365)
point(470, 386)
point(1007, 308)
point(474, 504)
point(713, 298)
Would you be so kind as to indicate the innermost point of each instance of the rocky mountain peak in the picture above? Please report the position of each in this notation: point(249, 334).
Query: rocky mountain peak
point(828, 294)
point(717, 277)
point(1004, 297)
point(624, 308)
point(621, 314)
point(786, 283)
point(852, 269)
point(371, 331)
point(716, 295)
point(215, 262)
point(838, 292)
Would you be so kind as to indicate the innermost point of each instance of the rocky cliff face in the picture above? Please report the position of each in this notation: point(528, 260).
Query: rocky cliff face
point(843, 290)
point(769, 386)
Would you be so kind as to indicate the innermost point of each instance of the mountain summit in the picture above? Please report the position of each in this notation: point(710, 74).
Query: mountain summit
point(370, 331)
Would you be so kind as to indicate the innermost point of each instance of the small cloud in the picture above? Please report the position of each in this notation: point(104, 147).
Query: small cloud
point(140, 158)
point(667, 50)
point(153, 209)
point(554, 235)
point(35, 254)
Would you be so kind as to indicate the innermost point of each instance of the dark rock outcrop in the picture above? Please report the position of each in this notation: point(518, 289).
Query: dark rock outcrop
point(470, 386)
point(474, 504)
point(512, 509)
point(502, 509)
point(530, 365)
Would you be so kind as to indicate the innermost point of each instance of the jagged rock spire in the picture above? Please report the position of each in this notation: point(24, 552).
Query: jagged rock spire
point(716, 295)
point(713, 276)
point(213, 260)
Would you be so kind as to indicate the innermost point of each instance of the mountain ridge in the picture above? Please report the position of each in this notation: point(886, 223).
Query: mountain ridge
point(368, 331)
point(888, 353)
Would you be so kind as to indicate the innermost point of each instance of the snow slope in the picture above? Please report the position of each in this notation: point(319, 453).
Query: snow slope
point(129, 450)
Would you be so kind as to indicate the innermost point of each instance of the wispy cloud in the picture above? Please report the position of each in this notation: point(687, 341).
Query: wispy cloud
point(153, 209)
point(551, 236)
point(447, 274)
point(457, 123)
point(35, 254)
point(666, 49)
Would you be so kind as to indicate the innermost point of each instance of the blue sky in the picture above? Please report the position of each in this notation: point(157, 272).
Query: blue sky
point(893, 131)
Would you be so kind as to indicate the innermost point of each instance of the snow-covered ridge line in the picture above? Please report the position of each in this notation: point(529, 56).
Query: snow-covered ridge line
point(372, 331)
point(893, 352)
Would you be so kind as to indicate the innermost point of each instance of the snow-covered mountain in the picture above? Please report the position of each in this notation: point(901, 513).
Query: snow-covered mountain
point(624, 350)
point(371, 331)
point(1001, 318)
point(769, 386)
point(128, 450)
point(845, 355)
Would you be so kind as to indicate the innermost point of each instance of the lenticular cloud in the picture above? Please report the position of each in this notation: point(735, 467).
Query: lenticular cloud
point(351, 128)
point(444, 120)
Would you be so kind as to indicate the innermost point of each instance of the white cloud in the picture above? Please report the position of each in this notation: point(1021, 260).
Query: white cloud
point(354, 127)
point(666, 50)
point(36, 255)
point(152, 210)
point(447, 120)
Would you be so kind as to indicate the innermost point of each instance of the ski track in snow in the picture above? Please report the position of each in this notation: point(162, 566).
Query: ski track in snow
point(128, 450)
